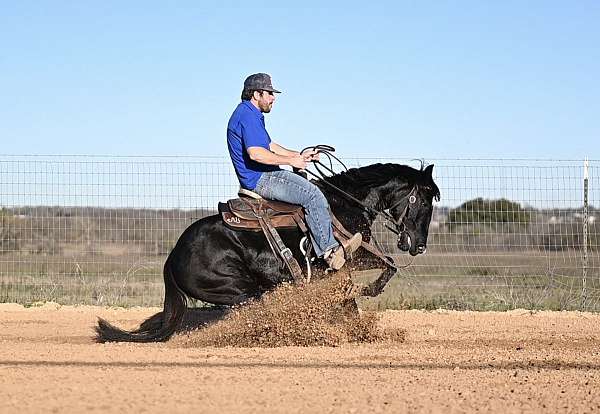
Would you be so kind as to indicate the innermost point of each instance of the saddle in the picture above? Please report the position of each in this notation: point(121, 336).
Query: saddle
point(243, 213)
point(251, 212)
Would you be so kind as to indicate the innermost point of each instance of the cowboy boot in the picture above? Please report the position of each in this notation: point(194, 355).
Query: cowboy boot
point(337, 259)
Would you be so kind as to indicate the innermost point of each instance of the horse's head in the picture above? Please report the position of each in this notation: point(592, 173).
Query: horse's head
point(413, 212)
point(405, 192)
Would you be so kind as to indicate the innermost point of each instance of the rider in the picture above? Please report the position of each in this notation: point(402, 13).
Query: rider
point(256, 160)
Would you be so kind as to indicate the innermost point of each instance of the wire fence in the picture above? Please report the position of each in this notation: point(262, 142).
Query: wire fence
point(97, 229)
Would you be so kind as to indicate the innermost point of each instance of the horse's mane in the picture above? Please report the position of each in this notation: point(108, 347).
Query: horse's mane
point(359, 181)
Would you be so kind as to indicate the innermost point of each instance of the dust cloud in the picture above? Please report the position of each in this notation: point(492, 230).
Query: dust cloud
point(322, 313)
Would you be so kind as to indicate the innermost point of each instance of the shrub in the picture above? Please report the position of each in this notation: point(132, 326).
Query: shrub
point(488, 213)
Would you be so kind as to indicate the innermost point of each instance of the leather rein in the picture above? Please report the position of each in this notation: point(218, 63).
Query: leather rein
point(398, 228)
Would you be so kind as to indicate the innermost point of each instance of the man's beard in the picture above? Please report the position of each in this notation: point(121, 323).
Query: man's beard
point(266, 108)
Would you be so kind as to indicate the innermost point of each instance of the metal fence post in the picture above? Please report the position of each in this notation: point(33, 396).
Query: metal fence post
point(585, 233)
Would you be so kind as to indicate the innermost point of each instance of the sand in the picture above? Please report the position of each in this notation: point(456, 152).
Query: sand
point(448, 362)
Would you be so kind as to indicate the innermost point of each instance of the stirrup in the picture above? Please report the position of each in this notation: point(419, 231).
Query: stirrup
point(248, 193)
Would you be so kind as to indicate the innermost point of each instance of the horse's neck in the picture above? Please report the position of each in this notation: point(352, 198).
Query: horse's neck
point(356, 218)
point(353, 216)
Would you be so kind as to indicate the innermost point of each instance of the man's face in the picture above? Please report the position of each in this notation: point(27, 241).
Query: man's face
point(264, 100)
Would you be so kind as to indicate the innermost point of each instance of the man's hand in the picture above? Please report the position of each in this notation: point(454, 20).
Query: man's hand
point(298, 161)
point(310, 155)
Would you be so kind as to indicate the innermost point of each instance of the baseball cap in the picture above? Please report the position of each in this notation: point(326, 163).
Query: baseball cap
point(259, 82)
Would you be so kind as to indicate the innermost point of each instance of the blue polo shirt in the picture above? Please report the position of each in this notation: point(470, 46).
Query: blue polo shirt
point(246, 128)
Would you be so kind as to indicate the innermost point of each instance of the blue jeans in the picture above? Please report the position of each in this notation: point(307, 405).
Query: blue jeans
point(284, 185)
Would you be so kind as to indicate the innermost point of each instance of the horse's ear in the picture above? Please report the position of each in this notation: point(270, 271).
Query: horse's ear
point(428, 170)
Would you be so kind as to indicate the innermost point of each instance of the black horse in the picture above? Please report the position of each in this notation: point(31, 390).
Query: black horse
point(215, 264)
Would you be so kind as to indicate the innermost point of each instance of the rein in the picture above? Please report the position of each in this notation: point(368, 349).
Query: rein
point(399, 227)
point(398, 224)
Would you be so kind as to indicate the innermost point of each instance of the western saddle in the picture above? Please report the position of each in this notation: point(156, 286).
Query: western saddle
point(251, 212)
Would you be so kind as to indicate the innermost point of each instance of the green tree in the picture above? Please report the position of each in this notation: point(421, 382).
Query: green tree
point(488, 212)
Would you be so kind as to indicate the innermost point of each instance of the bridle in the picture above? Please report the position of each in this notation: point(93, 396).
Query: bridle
point(399, 223)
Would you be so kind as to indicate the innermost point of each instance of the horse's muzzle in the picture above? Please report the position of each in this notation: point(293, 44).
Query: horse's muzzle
point(404, 241)
point(405, 245)
point(418, 248)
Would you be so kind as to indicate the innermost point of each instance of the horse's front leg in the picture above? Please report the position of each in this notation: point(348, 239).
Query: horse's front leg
point(376, 287)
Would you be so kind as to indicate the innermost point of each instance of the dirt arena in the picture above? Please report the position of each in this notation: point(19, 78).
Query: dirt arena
point(449, 362)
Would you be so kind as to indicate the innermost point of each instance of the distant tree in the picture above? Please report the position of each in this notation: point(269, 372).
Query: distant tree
point(8, 238)
point(488, 212)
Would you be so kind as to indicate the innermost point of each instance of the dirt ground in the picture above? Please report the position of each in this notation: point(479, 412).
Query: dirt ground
point(450, 362)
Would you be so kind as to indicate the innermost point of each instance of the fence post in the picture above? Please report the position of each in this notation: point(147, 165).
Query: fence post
point(585, 234)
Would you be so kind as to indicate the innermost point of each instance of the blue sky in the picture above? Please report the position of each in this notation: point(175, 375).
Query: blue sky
point(437, 79)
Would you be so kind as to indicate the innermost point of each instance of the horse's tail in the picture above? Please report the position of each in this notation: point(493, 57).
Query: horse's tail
point(154, 329)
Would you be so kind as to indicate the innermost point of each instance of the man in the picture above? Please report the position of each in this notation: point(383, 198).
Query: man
point(256, 160)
